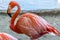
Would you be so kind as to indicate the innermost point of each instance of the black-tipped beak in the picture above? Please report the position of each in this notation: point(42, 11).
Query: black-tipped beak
point(8, 11)
point(9, 14)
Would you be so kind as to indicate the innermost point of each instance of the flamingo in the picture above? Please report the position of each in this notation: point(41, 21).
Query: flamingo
point(29, 24)
point(5, 36)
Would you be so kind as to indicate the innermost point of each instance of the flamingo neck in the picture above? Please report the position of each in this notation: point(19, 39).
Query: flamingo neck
point(12, 26)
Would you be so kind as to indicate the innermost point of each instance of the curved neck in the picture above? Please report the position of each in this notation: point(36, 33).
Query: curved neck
point(12, 26)
point(15, 14)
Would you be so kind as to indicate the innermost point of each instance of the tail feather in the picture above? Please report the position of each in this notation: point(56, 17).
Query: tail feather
point(53, 31)
point(52, 34)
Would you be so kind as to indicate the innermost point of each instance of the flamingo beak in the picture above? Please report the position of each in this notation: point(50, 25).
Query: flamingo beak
point(8, 11)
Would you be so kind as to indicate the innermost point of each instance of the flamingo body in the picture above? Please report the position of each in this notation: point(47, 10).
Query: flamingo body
point(33, 25)
point(30, 24)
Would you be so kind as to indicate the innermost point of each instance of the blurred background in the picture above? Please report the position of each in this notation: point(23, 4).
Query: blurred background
point(48, 9)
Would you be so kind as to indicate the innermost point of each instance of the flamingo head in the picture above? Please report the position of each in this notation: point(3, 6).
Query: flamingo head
point(12, 4)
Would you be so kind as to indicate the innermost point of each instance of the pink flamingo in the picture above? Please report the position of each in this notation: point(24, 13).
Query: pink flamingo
point(5, 36)
point(30, 24)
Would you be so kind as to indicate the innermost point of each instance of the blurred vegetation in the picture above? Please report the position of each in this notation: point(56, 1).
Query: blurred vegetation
point(44, 11)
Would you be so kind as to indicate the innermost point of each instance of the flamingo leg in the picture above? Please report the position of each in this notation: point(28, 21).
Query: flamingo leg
point(33, 39)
